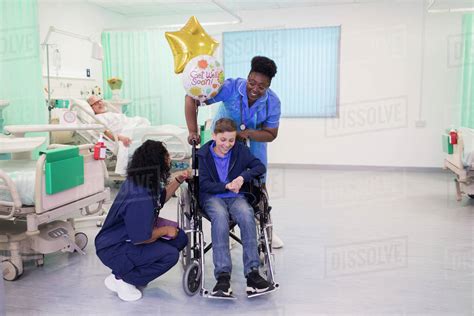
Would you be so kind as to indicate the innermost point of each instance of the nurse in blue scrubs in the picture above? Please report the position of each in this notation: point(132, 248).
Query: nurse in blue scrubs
point(129, 244)
point(252, 105)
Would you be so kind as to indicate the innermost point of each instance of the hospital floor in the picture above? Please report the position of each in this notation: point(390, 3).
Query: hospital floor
point(356, 243)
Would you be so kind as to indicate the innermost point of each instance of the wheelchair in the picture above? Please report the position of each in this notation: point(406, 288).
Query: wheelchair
point(190, 216)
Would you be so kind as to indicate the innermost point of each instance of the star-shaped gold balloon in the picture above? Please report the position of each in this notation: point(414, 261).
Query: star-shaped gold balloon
point(189, 42)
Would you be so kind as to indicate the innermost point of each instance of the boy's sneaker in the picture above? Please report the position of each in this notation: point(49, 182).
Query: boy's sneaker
point(222, 287)
point(255, 283)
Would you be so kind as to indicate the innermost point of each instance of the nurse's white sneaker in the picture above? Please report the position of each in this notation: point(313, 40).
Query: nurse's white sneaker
point(110, 283)
point(125, 291)
point(276, 241)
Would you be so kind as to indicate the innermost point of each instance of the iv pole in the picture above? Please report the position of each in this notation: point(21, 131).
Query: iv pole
point(96, 54)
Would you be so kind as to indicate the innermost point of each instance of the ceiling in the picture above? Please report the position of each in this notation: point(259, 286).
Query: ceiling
point(143, 8)
point(138, 8)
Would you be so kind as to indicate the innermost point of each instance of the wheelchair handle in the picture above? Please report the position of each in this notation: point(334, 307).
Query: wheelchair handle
point(194, 162)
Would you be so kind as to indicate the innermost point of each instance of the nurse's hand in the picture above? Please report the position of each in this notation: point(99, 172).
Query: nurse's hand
point(171, 231)
point(245, 134)
point(194, 137)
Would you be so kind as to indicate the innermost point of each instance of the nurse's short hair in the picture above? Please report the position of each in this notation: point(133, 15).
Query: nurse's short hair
point(264, 65)
point(224, 125)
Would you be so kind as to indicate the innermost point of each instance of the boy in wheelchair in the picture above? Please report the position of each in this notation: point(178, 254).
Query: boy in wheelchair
point(224, 166)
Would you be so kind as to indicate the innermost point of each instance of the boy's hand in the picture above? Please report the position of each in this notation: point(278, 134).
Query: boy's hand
point(125, 140)
point(238, 182)
point(231, 187)
point(235, 185)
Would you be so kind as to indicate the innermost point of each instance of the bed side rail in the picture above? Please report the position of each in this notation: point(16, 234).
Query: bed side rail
point(7, 184)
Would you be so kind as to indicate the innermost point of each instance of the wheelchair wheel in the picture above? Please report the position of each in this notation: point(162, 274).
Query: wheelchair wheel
point(185, 254)
point(184, 223)
point(192, 279)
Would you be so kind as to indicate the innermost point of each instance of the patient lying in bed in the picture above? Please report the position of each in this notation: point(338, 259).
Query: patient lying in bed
point(131, 131)
point(117, 122)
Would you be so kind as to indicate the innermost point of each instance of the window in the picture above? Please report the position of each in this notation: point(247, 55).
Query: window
point(307, 81)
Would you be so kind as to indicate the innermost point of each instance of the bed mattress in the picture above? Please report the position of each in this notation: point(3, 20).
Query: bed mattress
point(23, 175)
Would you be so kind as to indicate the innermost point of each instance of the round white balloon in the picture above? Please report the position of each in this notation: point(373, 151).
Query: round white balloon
point(203, 77)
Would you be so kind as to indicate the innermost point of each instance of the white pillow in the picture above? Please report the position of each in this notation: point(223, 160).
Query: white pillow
point(84, 110)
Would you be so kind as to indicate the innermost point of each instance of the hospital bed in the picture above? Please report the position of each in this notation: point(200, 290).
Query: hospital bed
point(460, 160)
point(174, 137)
point(39, 198)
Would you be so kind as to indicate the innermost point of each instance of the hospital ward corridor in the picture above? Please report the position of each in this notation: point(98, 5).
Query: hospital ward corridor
point(235, 157)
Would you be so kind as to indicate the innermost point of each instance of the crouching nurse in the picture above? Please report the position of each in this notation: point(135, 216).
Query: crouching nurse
point(129, 243)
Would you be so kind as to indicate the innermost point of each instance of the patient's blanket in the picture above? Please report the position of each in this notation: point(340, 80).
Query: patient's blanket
point(118, 122)
point(176, 144)
point(468, 153)
point(468, 160)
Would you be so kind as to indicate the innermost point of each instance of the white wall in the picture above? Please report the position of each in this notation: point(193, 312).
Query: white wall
point(381, 69)
point(399, 65)
point(82, 19)
point(394, 58)
point(381, 72)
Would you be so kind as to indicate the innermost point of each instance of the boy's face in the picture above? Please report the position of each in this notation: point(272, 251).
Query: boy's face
point(224, 142)
point(99, 107)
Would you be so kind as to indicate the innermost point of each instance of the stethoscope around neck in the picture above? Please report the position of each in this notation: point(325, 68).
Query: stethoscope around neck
point(242, 126)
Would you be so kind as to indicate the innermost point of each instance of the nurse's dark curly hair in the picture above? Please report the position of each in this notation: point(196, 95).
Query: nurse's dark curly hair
point(149, 166)
point(264, 65)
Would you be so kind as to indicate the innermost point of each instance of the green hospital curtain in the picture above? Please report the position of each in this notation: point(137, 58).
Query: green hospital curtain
point(144, 62)
point(467, 95)
point(20, 63)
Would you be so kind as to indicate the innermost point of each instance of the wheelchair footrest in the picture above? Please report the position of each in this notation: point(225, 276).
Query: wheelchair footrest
point(271, 289)
point(220, 296)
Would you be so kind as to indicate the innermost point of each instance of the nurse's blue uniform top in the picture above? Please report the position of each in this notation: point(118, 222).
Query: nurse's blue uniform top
point(131, 217)
point(265, 112)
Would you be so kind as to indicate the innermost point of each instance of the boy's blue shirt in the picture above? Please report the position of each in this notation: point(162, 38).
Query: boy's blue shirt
point(222, 167)
point(242, 163)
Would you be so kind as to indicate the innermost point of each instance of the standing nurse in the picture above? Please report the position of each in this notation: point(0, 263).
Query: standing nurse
point(252, 105)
